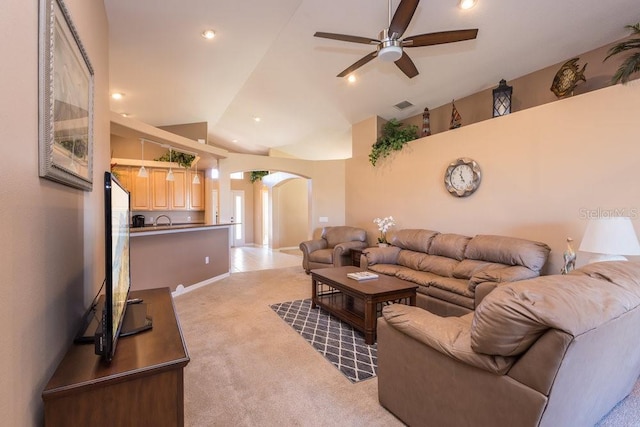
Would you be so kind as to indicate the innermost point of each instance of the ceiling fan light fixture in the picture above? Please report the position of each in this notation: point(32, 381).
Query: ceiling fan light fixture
point(467, 4)
point(390, 53)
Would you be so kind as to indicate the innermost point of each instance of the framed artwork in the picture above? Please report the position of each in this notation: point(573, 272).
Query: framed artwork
point(66, 81)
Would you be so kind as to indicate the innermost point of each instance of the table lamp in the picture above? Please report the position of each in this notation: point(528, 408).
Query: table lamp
point(609, 239)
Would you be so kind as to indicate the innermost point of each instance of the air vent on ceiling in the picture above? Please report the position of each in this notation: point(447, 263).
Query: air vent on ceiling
point(402, 105)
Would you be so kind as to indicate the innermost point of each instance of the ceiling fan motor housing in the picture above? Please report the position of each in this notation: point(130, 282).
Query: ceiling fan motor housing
point(389, 50)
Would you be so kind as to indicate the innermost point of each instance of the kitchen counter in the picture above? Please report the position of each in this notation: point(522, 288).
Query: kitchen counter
point(149, 230)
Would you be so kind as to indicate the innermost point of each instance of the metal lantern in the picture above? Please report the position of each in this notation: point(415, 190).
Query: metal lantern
point(502, 99)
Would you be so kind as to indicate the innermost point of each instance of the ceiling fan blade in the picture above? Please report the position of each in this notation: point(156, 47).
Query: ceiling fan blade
point(346, 38)
point(407, 66)
point(440, 38)
point(402, 17)
point(358, 64)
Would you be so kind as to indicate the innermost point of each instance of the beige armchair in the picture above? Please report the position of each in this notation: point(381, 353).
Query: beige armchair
point(333, 249)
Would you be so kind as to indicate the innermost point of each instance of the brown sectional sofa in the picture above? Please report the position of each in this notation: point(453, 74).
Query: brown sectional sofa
point(455, 272)
point(557, 350)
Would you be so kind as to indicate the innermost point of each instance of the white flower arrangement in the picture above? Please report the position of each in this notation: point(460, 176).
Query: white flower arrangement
point(384, 225)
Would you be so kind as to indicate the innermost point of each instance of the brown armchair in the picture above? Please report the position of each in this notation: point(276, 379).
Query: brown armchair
point(333, 249)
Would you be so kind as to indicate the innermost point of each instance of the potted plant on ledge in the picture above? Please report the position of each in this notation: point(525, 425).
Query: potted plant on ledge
point(392, 138)
point(632, 63)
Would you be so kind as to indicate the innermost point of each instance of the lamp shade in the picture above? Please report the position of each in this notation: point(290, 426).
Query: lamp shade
point(610, 238)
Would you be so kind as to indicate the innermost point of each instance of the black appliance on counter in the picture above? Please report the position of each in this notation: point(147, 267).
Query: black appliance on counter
point(138, 221)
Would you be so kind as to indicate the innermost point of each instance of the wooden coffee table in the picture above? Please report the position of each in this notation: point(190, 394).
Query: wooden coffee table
point(358, 303)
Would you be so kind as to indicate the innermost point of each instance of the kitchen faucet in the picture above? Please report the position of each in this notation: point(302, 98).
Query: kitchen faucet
point(155, 223)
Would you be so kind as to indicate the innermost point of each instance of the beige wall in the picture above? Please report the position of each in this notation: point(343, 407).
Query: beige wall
point(544, 170)
point(290, 213)
point(326, 196)
point(52, 235)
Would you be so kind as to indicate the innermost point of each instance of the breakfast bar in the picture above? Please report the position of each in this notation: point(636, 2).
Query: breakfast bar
point(179, 256)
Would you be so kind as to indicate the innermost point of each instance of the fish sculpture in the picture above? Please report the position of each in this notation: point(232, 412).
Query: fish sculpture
point(567, 78)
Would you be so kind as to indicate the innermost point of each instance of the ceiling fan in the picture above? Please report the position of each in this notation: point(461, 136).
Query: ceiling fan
point(390, 45)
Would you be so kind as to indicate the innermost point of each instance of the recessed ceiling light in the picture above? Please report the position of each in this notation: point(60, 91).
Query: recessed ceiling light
point(351, 78)
point(234, 140)
point(208, 34)
point(257, 119)
point(124, 114)
point(467, 4)
point(117, 95)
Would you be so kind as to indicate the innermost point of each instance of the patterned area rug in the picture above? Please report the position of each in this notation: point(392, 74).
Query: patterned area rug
point(338, 342)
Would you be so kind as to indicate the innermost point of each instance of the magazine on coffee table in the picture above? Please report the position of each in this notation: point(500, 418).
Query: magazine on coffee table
point(362, 275)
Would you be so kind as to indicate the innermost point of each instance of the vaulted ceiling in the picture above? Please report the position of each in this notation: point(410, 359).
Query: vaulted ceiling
point(265, 62)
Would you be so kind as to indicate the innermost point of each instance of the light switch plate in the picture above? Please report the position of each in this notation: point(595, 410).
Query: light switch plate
point(324, 219)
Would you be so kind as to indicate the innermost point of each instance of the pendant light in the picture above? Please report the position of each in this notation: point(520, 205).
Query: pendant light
point(170, 174)
point(142, 172)
point(196, 178)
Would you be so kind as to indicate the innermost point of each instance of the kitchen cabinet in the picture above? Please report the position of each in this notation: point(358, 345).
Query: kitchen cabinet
point(156, 193)
point(139, 191)
point(159, 189)
point(178, 190)
point(168, 195)
point(123, 175)
point(196, 192)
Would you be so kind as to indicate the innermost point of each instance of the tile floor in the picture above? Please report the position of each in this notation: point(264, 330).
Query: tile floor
point(250, 258)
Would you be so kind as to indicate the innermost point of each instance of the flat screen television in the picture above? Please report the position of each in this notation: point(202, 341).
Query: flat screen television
point(117, 211)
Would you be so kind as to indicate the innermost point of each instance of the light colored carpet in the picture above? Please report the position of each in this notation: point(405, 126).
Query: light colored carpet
point(249, 368)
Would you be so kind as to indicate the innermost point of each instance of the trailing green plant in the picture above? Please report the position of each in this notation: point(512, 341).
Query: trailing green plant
point(182, 159)
point(632, 63)
point(393, 137)
point(257, 175)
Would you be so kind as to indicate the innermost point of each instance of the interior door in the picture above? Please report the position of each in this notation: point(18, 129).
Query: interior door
point(237, 230)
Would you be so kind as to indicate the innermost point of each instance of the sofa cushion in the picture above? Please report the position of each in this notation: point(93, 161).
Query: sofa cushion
point(451, 297)
point(417, 240)
point(420, 277)
point(514, 315)
point(456, 286)
point(388, 269)
point(508, 250)
point(324, 256)
point(468, 267)
point(449, 245)
point(499, 275)
point(439, 265)
point(410, 259)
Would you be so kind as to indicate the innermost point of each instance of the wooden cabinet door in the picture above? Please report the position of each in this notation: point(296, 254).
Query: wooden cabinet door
point(178, 190)
point(159, 189)
point(140, 199)
point(196, 193)
point(123, 175)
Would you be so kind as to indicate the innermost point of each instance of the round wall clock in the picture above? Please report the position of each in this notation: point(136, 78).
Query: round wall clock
point(462, 177)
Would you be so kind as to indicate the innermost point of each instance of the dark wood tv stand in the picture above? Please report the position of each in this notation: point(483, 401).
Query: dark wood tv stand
point(143, 384)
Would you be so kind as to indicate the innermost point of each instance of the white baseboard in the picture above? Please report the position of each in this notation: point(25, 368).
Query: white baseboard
point(181, 289)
